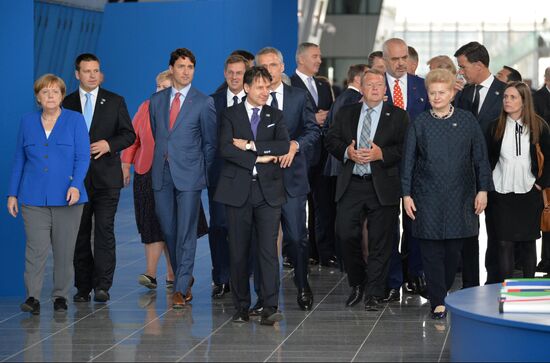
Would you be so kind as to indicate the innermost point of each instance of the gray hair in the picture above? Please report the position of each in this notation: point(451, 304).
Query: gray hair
point(302, 47)
point(269, 50)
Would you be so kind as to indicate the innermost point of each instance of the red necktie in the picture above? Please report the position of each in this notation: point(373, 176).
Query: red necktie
point(398, 96)
point(174, 109)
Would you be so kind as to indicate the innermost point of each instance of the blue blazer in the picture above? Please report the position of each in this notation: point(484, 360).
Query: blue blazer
point(45, 168)
point(417, 97)
point(190, 146)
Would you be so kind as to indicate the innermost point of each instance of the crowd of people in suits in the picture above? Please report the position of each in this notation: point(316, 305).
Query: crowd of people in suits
point(291, 172)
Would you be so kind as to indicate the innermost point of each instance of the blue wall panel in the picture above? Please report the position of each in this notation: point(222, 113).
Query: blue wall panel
point(16, 99)
point(136, 39)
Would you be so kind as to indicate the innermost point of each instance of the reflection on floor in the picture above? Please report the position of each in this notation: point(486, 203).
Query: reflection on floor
point(139, 325)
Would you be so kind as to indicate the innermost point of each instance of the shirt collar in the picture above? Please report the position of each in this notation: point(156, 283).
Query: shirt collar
point(241, 94)
point(488, 82)
point(391, 79)
point(303, 76)
point(355, 89)
point(183, 91)
point(93, 92)
point(377, 108)
point(279, 89)
point(249, 107)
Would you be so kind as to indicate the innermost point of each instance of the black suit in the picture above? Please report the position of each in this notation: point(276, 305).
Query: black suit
point(375, 199)
point(541, 99)
point(111, 122)
point(489, 111)
point(320, 204)
point(252, 201)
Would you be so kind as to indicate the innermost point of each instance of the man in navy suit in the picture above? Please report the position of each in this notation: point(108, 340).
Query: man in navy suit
point(183, 122)
point(321, 207)
point(230, 95)
point(252, 137)
point(483, 96)
point(407, 92)
point(304, 134)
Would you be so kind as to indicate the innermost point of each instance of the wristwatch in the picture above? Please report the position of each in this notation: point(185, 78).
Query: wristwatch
point(248, 146)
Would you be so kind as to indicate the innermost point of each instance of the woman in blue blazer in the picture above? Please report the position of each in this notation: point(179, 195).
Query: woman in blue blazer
point(51, 160)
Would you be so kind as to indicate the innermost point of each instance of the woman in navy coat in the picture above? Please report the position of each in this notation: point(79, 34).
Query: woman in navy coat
point(51, 160)
point(445, 178)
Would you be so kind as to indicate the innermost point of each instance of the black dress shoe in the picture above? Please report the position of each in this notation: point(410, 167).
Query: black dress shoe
point(305, 299)
point(101, 295)
point(410, 287)
point(220, 290)
point(393, 295)
point(270, 316)
point(287, 263)
point(371, 303)
point(355, 296)
point(257, 309)
point(543, 266)
point(240, 316)
point(147, 281)
point(421, 286)
point(313, 261)
point(440, 315)
point(331, 263)
point(31, 305)
point(81, 296)
point(60, 304)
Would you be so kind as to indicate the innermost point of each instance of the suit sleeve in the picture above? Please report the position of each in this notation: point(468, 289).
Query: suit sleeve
point(334, 139)
point(280, 145)
point(392, 154)
point(19, 160)
point(480, 158)
point(230, 152)
point(81, 153)
point(125, 134)
point(311, 133)
point(409, 159)
point(209, 136)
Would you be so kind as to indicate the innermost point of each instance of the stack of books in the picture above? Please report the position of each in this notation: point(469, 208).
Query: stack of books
point(525, 296)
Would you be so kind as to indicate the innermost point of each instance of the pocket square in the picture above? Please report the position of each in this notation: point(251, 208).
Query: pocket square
point(270, 125)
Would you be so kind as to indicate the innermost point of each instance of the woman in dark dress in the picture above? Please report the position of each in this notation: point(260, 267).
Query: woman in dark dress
point(445, 178)
point(516, 204)
point(141, 155)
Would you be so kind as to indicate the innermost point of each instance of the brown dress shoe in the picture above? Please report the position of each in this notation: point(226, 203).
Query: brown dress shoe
point(188, 294)
point(178, 301)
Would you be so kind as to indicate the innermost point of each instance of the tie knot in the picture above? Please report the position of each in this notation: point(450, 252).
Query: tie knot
point(273, 94)
point(397, 82)
point(370, 111)
point(177, 95)
point(88, 95)
point(255, 110)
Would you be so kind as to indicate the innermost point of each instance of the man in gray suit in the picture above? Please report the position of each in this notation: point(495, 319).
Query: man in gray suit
point(183, 122)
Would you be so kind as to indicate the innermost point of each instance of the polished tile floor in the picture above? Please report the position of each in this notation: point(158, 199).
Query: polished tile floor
point(139, 325)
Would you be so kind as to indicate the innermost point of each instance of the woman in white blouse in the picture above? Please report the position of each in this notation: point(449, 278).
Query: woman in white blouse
point(515, 206)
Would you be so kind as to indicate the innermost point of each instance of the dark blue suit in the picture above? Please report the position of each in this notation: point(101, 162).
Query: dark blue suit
point(417, 102)
point(182, 164)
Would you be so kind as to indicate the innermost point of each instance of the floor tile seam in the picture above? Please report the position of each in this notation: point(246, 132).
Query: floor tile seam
point(444, 343)
point(70, 325)
point(305, 318)
point(130, 335)
point(369, 334)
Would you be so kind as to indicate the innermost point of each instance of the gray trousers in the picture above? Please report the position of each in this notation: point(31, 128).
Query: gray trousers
point(58, 227)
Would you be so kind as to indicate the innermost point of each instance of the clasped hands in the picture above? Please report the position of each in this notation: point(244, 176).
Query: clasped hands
point(284, 160)
point(364, 155)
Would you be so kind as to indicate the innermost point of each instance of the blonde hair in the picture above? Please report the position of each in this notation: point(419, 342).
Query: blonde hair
point(442, 61)
point(48, 80)
point(439, 75)
point(163, 76)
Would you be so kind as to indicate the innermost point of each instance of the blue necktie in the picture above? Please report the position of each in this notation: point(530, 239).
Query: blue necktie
point(254, 121)
point(312, 90)
point(274, 102)
point(362, 169)
point(235, 100)
point(88, 111)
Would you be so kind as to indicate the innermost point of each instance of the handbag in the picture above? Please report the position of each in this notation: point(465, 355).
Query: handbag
point(545, 217)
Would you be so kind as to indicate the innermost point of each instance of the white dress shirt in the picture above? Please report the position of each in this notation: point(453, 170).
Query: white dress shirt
point(279, 93)
point(512, 173)
point(93, 98)
point(402, 84)
point(183, 93)
point(305, 77)
point(230, 95)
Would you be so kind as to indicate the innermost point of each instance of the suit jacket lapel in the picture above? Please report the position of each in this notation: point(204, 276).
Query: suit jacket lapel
point(354, 121)
point(490, 98)
point(265, 120)
point(98, 109)
point(388, 91)
point(185, 108)
point(244, 122)
point(385, 114)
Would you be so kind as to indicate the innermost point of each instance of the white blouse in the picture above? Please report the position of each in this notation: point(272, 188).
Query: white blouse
point(512, 173)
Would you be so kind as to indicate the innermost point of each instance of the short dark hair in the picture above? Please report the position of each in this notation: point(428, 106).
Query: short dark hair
point(474, 52)
point(372, 56)
point(413, 54)
point(182, 53)
point(514, 74)
point(234, 58)
point(243, 53)
point(356, 70)
point(84, 57)
point(256, 72)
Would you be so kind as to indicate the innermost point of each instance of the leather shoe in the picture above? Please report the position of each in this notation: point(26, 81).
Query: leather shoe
point(270, 316)
point(355, 296)
point(440, 315)
point(178, 301)
point(101, 295)
point(410, 287)
point(421, 287)
point(60, 304)
point(257, 309)
point(371, 303)
point(240, 316)
point(305, 299)
point(393, 295)
point(188, 294)
point(82, 296)
point(31, 305)
point(220, 290)
point(287, 263)
point(147, 281)
point(543, 266)
point(332, 262)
